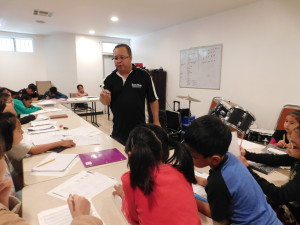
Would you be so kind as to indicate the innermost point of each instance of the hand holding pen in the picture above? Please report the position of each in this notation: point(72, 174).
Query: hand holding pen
point(282, 142)
point(78, 205)
point(105, 96)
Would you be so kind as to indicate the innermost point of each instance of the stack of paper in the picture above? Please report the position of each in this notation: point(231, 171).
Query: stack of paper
point(54, 163)
point(42, 129)
point(46, 103)
point(41, 117)
point(42, 122)
point(81, 136)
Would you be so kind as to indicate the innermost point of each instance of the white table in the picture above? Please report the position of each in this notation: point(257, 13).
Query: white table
point(86, 99)
point(73, 121)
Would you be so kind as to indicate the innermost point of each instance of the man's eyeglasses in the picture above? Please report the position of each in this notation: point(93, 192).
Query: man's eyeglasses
point(121, 58)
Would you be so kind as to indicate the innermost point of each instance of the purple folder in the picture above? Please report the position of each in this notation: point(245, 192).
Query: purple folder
point(101, 157)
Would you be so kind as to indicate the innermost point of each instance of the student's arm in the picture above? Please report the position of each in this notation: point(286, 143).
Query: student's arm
point(270, 159)
point(27, 119)
point(80, 210)
point(22, 109)
point(42, 148)
point(155, 112)
point(201, 181)
point(219, 198)
point(224, 222)
point(203, 207)
point(288, 192)
point(61, 95)
point(9, 217)
point(5, 189)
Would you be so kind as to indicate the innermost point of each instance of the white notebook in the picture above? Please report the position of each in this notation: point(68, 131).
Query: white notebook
point(55, 162)
point(60, 215)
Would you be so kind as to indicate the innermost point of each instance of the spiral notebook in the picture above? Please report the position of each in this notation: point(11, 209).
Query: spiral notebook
point(101, 157)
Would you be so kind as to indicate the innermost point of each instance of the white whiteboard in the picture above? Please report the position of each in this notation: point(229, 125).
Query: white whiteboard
point(201, 67)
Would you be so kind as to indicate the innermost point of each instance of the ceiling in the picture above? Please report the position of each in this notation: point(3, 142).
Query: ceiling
point(136, 17)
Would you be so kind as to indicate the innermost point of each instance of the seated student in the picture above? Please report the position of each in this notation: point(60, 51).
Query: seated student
point(234, 197)
point(31, 91)
point(7, 105)
point(154, 192)
point(81, 93)
point(284, 199)
point(281, 138)
point(23, 106)
point(10, 135)
point(19, 151)
point(53, 93)
point(13, 94)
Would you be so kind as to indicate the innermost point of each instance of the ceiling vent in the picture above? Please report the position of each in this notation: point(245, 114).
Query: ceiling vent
point(42, 13)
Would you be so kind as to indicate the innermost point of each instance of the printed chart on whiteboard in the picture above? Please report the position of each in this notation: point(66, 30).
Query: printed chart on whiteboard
point(201, 67)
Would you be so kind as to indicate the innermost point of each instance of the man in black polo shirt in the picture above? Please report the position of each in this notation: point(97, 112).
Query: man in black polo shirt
point(125, 90)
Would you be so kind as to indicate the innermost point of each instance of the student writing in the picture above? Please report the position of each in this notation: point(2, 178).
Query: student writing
point(280, 138)
point(284, 199)
point(154, 192)
point(234, 197)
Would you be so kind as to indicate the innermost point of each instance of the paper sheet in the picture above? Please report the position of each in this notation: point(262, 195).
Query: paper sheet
point(86, 183)
point(60, 215)
point(41, 117)
point(248, 144)
point(42, 129)
point(43, 122)
point(199, 190)
point(81, 136)
point(46, 103)
point(234, 147)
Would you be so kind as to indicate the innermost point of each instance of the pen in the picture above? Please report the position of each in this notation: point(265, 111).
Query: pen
point(73, 202)
point(46, 162)
point(243, 134)
point(101, 87)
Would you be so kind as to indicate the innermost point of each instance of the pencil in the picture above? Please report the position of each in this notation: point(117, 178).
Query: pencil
point(243, 134)
point(46, 162)
point(283, 138)
point(73, 202)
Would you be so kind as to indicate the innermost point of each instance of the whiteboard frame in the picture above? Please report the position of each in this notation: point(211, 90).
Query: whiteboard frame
point(198, 63)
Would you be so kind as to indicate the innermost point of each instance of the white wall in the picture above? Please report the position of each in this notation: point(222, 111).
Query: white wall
point(260, 59)
point(60, 60)
point(17, 70)
point(89, 62)
point(65, 59)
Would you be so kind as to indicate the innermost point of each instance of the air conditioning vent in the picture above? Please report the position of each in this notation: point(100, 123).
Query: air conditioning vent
point(42, 13)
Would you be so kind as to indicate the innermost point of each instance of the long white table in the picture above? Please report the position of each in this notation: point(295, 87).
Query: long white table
point(37, 187)
point(73, 121)
point(86, 99)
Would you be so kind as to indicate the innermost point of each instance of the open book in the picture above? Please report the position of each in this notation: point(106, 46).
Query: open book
point(54, 163)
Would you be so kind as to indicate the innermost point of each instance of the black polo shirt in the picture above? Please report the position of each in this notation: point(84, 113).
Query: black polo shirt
point(128, 100)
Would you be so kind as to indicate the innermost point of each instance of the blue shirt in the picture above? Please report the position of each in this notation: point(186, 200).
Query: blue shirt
point(57, 96)
point(234, 195)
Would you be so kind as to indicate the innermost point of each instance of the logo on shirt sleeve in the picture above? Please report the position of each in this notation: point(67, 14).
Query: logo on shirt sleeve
point(136, 85)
